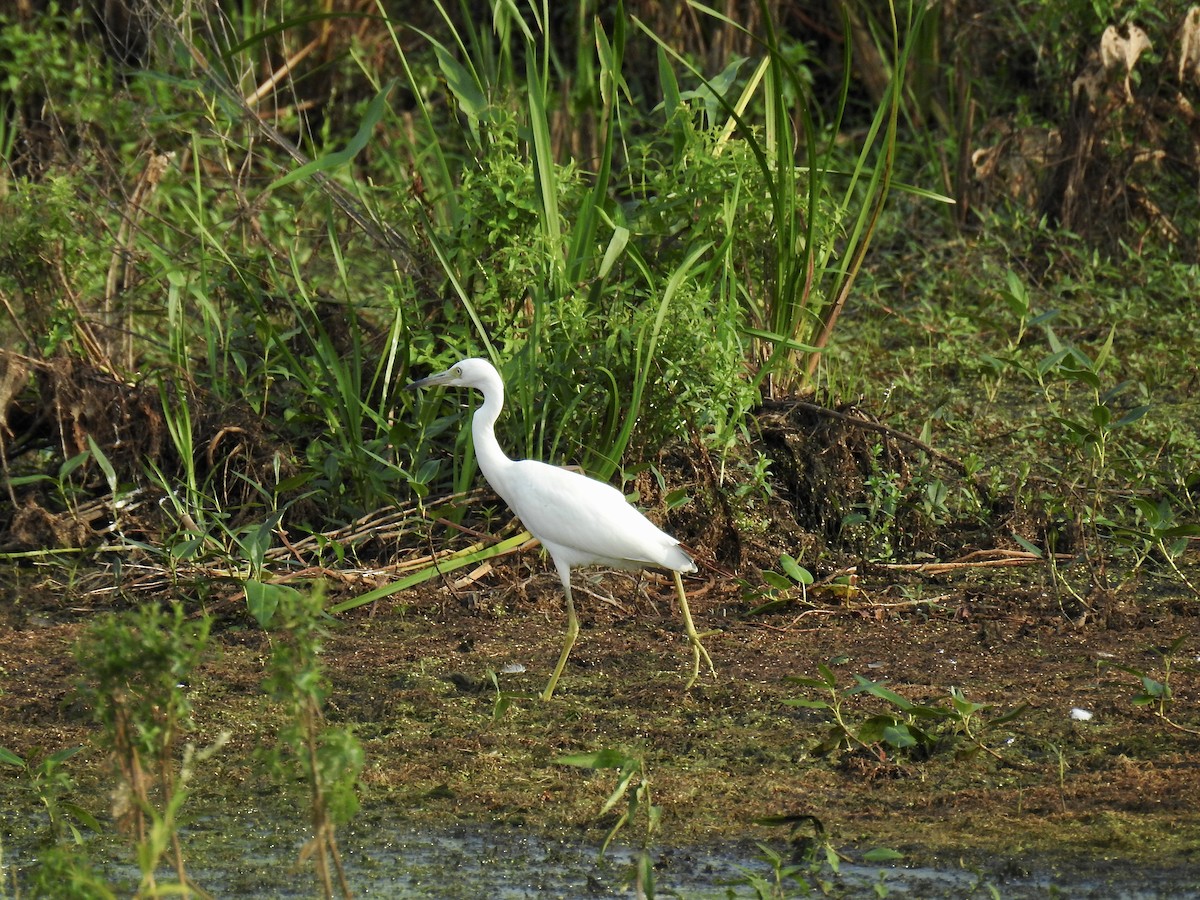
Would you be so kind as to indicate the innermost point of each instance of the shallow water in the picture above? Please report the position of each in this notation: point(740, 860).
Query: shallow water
point(254, 856)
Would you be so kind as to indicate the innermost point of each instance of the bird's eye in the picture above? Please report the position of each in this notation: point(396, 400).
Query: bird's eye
point(458, 371)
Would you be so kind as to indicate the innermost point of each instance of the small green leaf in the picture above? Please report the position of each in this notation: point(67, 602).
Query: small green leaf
point(677, 498)
point(1027, 546)
point(616, 246)
point(58, 757)
point(1008, 716)
point(10, 758)
point(964, 706)
point(186, 549)
point(1050, 361)
point(1082, 375)
point(22, 480)
point(1180, 531)
point(888, 729)
point(806, 682)
point(1077, 428)
point(669, 85)
point(900, 737)
point(626, 776)
point(882, 855)
point(770, 606)
point(1150, 511)
point(777, 581)
point(1132, 416)
point(1105, 350)
point(110, 474)
point(918, 711)
point(501, 707)
point(83, 816)
point(427, 472)
point(1155, 689)
point(794, 570)
point(826, 673)
point(781, 340)
point(875, 689)
point(832, 859)
point(1042, 318)
point(262, 599)
point(801, 703)
point(599, 759)
point(72, 464)
point(717, 87)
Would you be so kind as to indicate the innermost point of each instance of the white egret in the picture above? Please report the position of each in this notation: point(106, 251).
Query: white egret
point(579, 520)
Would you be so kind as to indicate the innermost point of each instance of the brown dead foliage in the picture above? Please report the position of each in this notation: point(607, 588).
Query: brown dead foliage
point(1110, 168)
point(829, 462)
point(53, 410)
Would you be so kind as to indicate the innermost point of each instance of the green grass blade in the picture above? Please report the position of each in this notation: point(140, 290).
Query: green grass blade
point(442, 566)
point(355, 146)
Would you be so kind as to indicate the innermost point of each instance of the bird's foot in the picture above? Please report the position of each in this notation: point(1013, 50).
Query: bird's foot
point(698, 651)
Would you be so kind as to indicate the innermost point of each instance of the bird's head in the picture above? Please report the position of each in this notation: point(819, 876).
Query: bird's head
point(474, 373)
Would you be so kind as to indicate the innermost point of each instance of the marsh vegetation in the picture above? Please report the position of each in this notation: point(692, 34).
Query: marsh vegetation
point(886, 311)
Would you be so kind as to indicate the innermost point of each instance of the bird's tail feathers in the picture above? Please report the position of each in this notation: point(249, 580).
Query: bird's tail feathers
point(679, 559)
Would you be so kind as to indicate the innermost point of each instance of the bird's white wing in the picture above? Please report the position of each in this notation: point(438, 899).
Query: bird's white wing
point(588, 517)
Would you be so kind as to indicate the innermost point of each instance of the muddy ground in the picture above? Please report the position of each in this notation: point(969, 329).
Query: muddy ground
point(413, 672)
point(411, 675)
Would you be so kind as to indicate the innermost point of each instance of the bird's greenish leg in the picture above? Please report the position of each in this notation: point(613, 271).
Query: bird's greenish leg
point(572, 631)
point(697, 647)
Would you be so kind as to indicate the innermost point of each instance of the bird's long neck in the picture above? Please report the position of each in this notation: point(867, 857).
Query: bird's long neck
point(492, 460)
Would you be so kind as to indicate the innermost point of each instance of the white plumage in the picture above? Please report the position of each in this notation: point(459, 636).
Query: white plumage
point(579, 520)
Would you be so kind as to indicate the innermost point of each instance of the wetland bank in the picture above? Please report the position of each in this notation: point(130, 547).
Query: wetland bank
point(886, 311)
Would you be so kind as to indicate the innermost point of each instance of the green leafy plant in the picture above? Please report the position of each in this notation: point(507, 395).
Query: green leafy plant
point(1091, 432)
point(504, 698)
point(1091, 422)
point(1156, 528)
point(633, 786)
point(590, 274)
point(812, 274)
point(48, 779)
point(780, 587)
point(875, 516)
point(807, 868)
point(136, 668)
point(38, 232)
point(625, 287)
point(66, 872)
point(1155, 694)
point(67, 486)
point(328, 758)
point(1087, 433)
point(811, 865)
point(901, 726)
